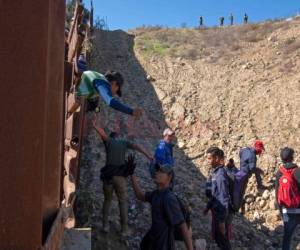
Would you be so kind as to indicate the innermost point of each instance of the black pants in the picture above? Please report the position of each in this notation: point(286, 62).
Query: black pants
point(289, 229)
point(258, 172)
point(223, 241)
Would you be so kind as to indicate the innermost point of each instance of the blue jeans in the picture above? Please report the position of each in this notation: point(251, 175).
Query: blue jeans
point(289, 229)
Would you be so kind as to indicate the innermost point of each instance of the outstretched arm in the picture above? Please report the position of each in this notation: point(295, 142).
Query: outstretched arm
point(187, 236)
point(114, 103)
point(140, 195)
point(100, 131)
point(109, 100)
point(102, 134)
point(142, 151)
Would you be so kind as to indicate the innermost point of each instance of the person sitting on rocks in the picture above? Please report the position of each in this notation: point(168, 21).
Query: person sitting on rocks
point(288, 182)
point(219, 202)
point(114, 176)
point(166, 212)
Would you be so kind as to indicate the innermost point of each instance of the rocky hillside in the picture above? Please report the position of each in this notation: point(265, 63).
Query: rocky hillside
point(218, 86)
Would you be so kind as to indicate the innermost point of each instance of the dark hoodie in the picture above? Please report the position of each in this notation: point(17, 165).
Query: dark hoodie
point(296, 176)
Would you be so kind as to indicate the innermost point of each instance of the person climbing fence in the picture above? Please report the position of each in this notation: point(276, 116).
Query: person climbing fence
point(94, 84)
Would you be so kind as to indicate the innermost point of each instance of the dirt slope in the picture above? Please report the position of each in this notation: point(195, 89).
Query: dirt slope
point(246, 91)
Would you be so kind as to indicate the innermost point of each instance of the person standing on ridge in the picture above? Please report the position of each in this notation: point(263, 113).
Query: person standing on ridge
point(231, 19)
point(245, 18)
point(201, 21)
point(222, 21)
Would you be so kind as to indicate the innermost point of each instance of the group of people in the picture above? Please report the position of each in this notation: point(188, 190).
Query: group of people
point(225, 187)
point(222, 19)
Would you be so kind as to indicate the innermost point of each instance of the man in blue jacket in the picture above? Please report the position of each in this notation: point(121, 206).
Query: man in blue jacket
point(164, 151)
point(248, 159)
point(163, 154)
point(219, 202)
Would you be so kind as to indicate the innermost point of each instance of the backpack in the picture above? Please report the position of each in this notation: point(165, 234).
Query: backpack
point(186, 212)
point(243, 151)
point(288, 194)
point(237, 186)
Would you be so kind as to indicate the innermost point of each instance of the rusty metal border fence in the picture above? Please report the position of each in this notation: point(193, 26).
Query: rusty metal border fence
point(79, 33)
point(41, 122)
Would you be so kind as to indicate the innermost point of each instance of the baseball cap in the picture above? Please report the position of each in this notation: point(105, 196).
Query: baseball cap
point(168, 131)
point(165, 168)
point(259, 146)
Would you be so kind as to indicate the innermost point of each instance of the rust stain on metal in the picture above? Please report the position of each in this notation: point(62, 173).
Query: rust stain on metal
point(40, 160)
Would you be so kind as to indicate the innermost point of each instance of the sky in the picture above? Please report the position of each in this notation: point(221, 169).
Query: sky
point(129, 14)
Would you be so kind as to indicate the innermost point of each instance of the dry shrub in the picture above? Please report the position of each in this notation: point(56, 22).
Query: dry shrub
point(253, 37)
point(200, 43)
point(235, 47)
point(290, 45)
point(287, 68)
point(191, 54)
